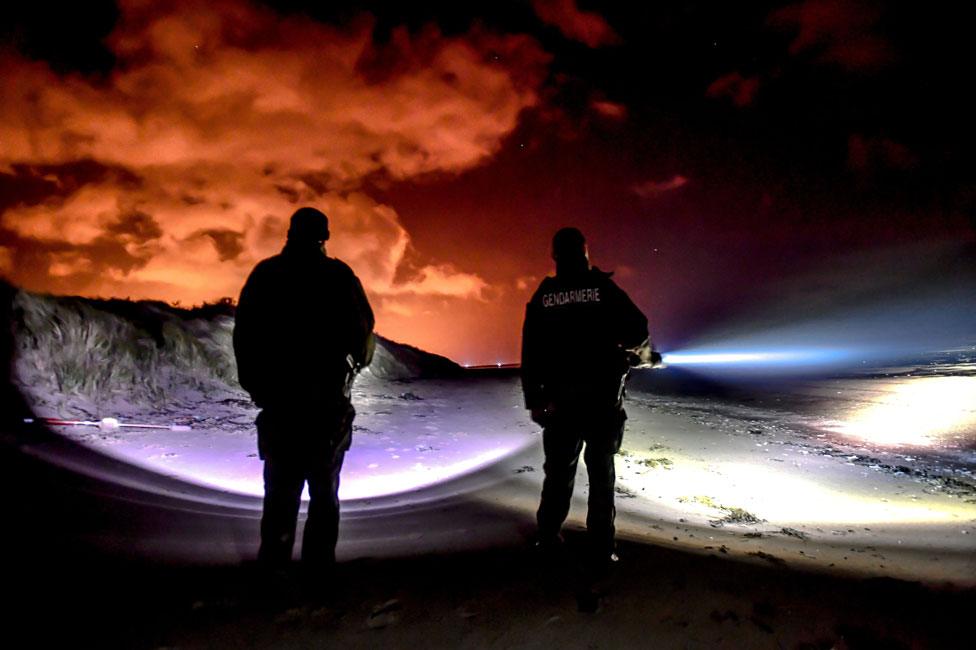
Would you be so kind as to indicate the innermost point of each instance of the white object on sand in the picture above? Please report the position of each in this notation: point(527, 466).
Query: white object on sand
point(107, 424)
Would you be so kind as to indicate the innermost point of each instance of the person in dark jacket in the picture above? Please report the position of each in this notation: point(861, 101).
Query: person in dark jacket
point(581, 336)
point(303, 329)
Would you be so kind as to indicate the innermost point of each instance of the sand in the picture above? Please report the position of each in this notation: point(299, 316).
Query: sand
point(739, 526)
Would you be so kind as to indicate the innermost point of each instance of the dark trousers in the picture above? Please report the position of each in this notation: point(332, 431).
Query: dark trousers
point(293, 456)
point(563, 439)
point(284, 480)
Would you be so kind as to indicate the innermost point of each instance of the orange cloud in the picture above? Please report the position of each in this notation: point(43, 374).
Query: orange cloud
point(587, 27)
point(837, 31)
point(869, 154)
point(217, 121)
point(741, 90)
point(651, 189)
point(6, 261)
point(608, 109)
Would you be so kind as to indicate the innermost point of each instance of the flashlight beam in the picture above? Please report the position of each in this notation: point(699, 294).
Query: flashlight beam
point(755, 358)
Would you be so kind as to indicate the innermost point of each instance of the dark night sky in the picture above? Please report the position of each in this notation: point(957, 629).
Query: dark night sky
point(709, 150)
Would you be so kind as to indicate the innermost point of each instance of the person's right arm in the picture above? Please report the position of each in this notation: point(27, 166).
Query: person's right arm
point(247, 337)
point(532, 364)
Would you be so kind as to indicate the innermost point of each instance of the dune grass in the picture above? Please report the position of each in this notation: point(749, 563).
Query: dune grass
point(147, 352)
point(97, 349)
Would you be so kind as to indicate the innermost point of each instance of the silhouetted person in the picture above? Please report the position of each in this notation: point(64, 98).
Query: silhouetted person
point(581, 335)
point(304, 327)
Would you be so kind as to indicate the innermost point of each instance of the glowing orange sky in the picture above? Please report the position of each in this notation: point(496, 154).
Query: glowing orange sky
point(225, 118)
point(708, 153)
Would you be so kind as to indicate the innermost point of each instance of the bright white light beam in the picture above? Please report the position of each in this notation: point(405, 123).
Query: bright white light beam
point(785, 357)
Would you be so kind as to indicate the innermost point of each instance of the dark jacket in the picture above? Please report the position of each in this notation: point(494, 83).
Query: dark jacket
point(579, 340)
point(300, 315)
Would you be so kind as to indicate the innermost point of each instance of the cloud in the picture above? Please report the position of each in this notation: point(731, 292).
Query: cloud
point(398, 308)
point(526, 282)
point(172, 175)
point(741, 90)
point(228, 243)
point(444, 280)
point(869, 154)
point(587, 27)
point(6, 260)
point(839, 32)
point(610, 110)
point(652, 189)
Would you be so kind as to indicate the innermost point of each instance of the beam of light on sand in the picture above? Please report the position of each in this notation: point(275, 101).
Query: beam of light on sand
point(438, 432)
point(368, 471)
point(372, 483)
point(916, 411)
point(712, 490)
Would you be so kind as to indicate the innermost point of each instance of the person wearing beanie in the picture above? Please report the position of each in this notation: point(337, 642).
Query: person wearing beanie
point(303, 329)
point(581, 336)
